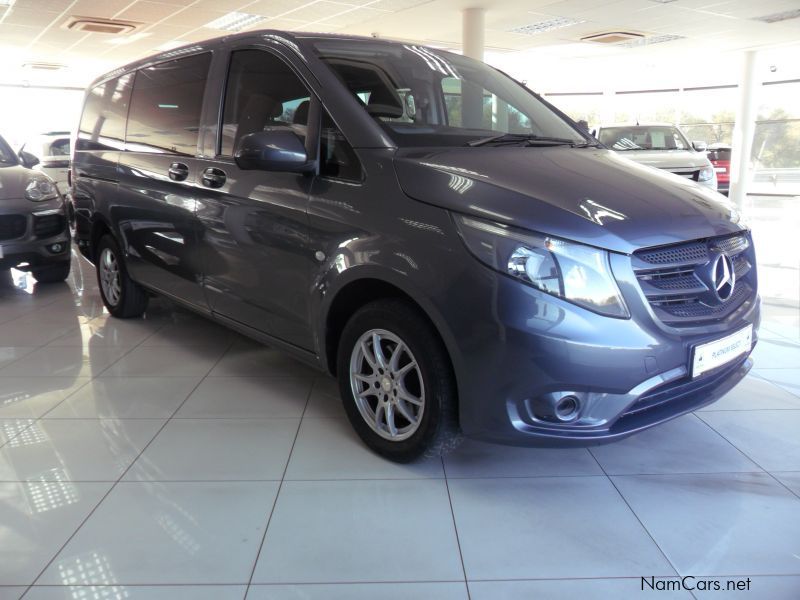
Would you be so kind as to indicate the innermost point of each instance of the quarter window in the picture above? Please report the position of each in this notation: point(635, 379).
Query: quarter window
point(165, 106)
point(105, 109)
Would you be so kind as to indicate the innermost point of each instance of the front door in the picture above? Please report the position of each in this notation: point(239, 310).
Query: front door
point(255, 224)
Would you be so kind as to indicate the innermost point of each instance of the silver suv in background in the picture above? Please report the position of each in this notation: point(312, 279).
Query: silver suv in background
point(53, 151)
point(662, 146)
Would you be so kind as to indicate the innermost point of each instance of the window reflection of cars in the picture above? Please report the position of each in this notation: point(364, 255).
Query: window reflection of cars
point(662, 146)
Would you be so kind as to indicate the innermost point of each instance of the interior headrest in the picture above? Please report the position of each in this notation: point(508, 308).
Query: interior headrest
point(301, 113)
point(385, 102)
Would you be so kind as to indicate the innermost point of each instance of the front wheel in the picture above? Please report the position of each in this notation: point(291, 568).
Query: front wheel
point(396, 382)
point(123, 297)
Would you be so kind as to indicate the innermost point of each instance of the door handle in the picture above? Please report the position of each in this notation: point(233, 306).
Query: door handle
point(213, 178)
point(178, 171)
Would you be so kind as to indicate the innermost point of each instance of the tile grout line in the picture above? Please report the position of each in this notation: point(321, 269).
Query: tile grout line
point(278, 492)
point(125, 472)
point(455, 529)
point(633, 512)
point(754, 461)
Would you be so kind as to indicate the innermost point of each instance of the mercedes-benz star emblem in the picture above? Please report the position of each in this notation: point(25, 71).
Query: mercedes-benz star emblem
point(724, 277)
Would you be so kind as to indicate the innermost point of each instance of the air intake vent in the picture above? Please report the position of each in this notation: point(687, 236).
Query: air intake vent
point(612, 37)
point(92, 25)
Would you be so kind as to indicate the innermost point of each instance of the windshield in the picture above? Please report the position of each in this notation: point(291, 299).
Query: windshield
point(7, 156)
point(643, 137)
point(423, 97)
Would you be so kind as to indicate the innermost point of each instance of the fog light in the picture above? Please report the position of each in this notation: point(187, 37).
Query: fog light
point(567, 408)
point(56, 248)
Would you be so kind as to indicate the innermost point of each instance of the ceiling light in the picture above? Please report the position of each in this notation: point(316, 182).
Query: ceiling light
point(6, 3)
point(611, 37)
point(781, 16)
point(653, 39)
point(44, 66)
point(234, 21)
point(93, 25)
point(545, 26)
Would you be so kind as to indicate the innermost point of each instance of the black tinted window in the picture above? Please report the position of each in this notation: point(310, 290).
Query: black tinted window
point(102, 125)
point(337, 157)
point(165, 106)
point(262, 91)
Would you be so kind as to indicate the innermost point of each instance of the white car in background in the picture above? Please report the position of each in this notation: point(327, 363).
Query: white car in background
point(662, 146)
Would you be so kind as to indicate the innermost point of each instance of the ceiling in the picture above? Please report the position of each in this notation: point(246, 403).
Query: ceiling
point(36, 30)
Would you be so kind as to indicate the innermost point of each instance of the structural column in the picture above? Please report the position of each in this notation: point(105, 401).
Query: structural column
point(472, 43)
point(744, 129)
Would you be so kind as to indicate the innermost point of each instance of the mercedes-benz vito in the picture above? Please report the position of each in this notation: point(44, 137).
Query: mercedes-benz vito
point(448, 244)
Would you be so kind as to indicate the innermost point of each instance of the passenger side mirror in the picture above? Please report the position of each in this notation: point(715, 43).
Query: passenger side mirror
point(27, 159)
point(699, 146)
point(274, 149)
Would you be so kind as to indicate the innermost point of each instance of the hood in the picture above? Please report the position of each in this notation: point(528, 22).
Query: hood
point(589, 195)
point(13, 179)
point(668, 159)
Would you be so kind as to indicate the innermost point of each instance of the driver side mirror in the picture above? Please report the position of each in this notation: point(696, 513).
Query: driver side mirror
point(27, 159)
point(274, 149)
point(699, 146)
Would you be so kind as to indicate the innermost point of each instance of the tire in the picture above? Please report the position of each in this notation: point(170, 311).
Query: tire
point(54, 273)
point(417, 383)
point(123, 297)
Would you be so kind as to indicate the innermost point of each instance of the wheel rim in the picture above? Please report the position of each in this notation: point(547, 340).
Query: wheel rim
point(387, 385)
point(109, 277)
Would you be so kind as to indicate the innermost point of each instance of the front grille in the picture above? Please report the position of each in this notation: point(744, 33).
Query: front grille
point(48, 225)
point(670, 278)
point(12, 226)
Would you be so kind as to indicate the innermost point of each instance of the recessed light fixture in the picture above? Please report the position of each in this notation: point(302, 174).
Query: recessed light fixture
point(653, 39)
point(545, 26)
point(93, 25)
point(612, 37)
point(234, 21)
point(778, 17)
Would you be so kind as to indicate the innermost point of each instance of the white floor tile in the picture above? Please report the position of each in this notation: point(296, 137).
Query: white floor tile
point(770, 437)
point(108, 331)
point(685, 445)
point(788, 379)
point(36, 518)
point(247, 398)
point(190, 330)
point(217, 450)
point(11, 355)
point(168, 533)
point(249, 359)
point(11, 592)
point(68, 361)
point(360, 591)
point(776, 354)
point(134, 592)
point(571, 589)
point(325, 400)
point(330, 449)
point(126, 398)
point(478, 459)
point(550, 527)
point(166, 361)
point(360, 531)
point(75, 450)
point(755, 393)
point(33, 396)
point(790, 479)
point(724, 524)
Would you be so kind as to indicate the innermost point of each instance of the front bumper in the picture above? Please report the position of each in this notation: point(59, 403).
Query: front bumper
point(627, 374)
point(45, 226)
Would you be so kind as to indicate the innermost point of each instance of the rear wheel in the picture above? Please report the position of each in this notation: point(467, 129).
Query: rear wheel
point(396, 382)
point(52, 273)
point(123, 297)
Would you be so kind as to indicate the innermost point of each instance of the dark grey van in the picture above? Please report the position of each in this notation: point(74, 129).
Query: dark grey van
point(454, 249)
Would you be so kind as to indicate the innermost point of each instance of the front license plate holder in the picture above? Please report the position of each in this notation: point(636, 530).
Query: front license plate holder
point(707, 357)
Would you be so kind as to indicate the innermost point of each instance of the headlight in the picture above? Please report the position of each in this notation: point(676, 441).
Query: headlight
point(39, 190)
point(706, 174)
point(575, 272)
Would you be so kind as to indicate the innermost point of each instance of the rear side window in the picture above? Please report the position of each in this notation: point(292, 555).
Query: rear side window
point(262, 91)
point(165, 106)
point(102, 125)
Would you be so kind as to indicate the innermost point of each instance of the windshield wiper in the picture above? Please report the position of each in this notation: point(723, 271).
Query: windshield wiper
point(524, 139)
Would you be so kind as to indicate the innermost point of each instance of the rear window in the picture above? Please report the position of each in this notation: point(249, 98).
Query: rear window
point(719, 154)
point(165, 106)
point(105, 109)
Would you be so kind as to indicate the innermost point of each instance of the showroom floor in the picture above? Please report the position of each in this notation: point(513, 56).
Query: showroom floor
point(169, 458)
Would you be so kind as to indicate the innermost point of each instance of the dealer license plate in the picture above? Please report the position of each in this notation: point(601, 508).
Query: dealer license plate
point(719, 352)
